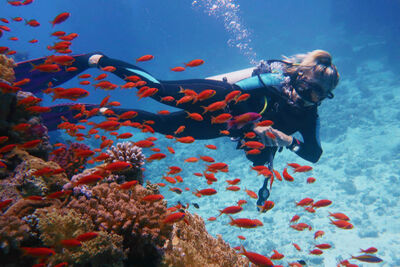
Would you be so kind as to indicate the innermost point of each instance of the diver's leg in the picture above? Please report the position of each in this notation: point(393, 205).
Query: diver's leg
point(40, 80)
point(265, 157)
point(168, 124)
point(169, 88)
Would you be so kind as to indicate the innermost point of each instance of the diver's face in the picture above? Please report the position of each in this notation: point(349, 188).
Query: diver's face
point(312, 93)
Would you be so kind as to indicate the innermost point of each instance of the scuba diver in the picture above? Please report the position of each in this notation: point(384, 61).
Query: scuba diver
point(286, 92)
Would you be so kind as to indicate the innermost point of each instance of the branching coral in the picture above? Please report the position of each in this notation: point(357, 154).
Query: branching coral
point(191, 245)
point(130, 153)
point(123, 213)
point(7, 68)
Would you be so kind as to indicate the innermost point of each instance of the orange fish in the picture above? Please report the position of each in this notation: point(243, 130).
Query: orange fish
point(222, 118)
point(242, 98)
point(214, 106)
point(171, 150)
point(253, 144)
point(251, 194)
point(265, 123)
point(296, 246)
point(233, 188)
point(257, 259)
point(167, 99)
point(60, 18)
point(108, 68)
point(339, 216)
point(156, 156)
point(205, 94)
point(178, 69)
point(224, 132)
point(318, 234)
point(232, 96)
point(185, 140)
point(211, 147)
point(194, 63)
point(191, 159)
point(342, 224)
point(144, 58)
point(207, 158)
point(194, 116)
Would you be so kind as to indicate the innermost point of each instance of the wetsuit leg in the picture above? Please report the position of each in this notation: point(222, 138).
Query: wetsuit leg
point(171, 88)
point(39, 80)
point(168, 124)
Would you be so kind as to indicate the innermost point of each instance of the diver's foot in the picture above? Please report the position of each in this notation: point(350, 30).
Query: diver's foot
point(263, 195)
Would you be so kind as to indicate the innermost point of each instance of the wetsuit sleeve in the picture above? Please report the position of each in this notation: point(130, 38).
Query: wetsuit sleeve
point(310, 149)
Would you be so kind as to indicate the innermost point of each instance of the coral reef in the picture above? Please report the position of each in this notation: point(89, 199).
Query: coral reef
point(123, 213)
point(80, 189)
point(7, 69)
point(69, 161)
point(28, 184)
point(13, 231)
point(191, 245)
point(130, 153)
point(56, 225)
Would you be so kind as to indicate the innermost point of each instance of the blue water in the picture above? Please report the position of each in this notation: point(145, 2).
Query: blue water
point(360, 131)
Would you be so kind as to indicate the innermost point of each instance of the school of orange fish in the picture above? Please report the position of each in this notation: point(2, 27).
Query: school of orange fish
point(108, 129)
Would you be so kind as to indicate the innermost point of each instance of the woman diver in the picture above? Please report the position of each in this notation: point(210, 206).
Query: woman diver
point(286, 92)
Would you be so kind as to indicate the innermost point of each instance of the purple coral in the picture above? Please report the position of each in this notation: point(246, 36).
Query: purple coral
point(130, 153)
point(69, 161)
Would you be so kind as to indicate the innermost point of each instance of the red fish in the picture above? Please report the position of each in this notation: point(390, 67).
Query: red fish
point(233, 188)
point(205, 94)
point(277, 255)
point(59, 194)
point(233, 182)
point(144, 58)
point(287, 176)
point(87, 236)
point(153, 198)
point(194, 63)
point(245, 222)
point(118, 166)
point(257, 259)
point(310, 180)
point(211, 147)
point(32, 23)
point(342, 224)
point(71, 243)
point(46, 67)
point(222, 118)
point(268, 204)
point(339, 216)
point(296, 246)
point(295, 218)
point(318, 234)
point(242, 98)
point(175, 217)
point(305, 202)
point(88, 179)
point(206, 192)
point(60, 18)
point(323, 246)
point(304, 168)
point(30, 144)
point(155, 156)
point(369, 250)
point(38, 109)
point(232, 96)
point(5, 203)
point(38, 252)
point(230, 210)
point(128, 185)
point(316, 252)
point(265, 123)
point(185, 140)
point(322, 203)
point(251, 194)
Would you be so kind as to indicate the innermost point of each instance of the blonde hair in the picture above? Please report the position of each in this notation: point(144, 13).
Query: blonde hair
point(7, 69)
point(316, 66)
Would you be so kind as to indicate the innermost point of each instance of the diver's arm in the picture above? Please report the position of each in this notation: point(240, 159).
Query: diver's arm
point(310, 149)
point(233, 77)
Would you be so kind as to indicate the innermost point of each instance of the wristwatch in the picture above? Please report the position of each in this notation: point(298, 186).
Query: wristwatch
point(294, 146)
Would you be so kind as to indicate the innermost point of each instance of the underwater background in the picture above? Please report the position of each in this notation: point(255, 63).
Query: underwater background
point(360, 129)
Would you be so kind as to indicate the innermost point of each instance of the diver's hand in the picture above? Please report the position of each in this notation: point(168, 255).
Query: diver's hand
point(273, 137)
